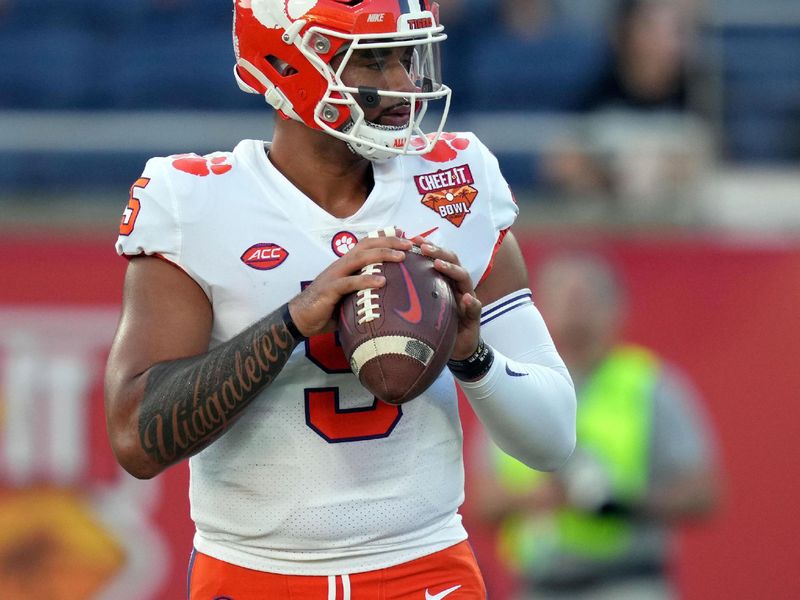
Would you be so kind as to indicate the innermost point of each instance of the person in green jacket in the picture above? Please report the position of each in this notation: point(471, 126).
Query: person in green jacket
point(599, 529)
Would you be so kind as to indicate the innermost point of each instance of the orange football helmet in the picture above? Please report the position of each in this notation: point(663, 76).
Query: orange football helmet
point(294, 52)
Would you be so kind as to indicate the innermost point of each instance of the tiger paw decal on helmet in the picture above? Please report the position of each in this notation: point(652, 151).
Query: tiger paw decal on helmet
point(292, 10)
point(201, 166)
point(445, 150)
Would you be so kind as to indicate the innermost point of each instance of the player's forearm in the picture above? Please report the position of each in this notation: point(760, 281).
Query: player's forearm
point(189, 403)
point(527, 400)
point(528, 410)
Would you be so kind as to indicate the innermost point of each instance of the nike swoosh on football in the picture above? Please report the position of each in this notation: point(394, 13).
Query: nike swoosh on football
point(413, 314)
point(440, 595)
point(514, 373)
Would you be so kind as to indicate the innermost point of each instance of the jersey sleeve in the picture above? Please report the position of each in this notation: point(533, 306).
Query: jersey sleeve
point(502, 205)
point(504, 209)
point(150, 223)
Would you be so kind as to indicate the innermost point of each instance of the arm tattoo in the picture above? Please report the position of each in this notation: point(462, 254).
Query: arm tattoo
point(188, 403)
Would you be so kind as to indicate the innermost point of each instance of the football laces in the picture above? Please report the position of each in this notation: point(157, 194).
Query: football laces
point(367, 303)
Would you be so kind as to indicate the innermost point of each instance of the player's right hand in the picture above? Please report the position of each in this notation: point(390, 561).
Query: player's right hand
point(312, 310)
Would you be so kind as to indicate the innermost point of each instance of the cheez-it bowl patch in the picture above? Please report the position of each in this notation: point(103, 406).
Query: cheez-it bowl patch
point(449, 192)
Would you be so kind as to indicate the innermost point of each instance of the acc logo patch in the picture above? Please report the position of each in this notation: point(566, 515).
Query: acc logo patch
point(445, 150)
point(264, 256)
point(201, 165)
point(343, 242)
point(449, 192)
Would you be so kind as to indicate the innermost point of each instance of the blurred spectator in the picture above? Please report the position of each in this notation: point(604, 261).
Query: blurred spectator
point(635, 164)
point(640, 146)
point(650, 48)
point(645, 460)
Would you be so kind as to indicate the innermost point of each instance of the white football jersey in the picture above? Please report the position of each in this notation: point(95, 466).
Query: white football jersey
point(317, 477)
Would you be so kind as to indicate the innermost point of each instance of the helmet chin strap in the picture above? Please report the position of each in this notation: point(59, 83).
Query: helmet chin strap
point(382, 137)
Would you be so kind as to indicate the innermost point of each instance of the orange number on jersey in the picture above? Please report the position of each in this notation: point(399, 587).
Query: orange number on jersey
point(325, 351)
point(335, 424)
point(323, 413)
point(128, 221)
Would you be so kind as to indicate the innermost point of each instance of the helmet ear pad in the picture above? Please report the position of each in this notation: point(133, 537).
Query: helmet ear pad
point(301, 82)
point(287, 68)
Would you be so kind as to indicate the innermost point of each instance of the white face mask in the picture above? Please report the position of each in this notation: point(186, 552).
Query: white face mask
point(386, 84)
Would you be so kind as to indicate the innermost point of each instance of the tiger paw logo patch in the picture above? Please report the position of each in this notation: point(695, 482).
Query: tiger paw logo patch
point(201, 166)
point(446, 148)
point(449, 192)
point(343, 242)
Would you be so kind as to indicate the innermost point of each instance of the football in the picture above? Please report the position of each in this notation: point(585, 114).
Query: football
point(398, 338)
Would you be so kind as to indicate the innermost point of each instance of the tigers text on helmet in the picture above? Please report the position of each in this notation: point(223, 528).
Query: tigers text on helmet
point(296, 54)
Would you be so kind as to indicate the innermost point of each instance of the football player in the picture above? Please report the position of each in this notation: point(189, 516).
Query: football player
point(303, 485)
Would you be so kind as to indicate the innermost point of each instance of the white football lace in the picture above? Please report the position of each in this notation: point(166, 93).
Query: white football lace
point(368, 299)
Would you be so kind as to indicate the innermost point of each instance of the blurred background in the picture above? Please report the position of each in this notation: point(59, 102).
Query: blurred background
point(663, 136)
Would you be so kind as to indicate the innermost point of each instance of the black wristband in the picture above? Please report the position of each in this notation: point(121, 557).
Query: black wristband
point(290, 326)
point(473, 367)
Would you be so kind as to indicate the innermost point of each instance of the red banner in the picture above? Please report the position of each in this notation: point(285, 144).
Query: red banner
point(73, 525)
point(725, 310)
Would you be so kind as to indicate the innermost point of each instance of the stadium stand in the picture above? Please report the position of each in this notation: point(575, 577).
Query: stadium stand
point(761, 104)
point(87, 59)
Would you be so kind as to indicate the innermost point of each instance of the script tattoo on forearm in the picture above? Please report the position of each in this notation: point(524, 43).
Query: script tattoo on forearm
point(189, 403)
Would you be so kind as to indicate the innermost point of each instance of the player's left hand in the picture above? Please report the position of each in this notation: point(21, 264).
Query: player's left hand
point(469, 307)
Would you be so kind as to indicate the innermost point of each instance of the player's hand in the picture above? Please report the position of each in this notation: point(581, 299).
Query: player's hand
point(312, 309)
point(469, 307)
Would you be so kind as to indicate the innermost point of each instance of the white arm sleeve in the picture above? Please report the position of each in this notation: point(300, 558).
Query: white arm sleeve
point(527, 400)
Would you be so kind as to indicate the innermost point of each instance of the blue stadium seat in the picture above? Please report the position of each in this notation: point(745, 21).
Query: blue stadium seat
point(551, 72)
point(50, 68)
point(521, 171)
point(87, 15)
point(458, 51)
point(764, 49)
point(761, 139)
point(761, 100)
point(154, 68)
point(69, 172)
point(187, 14)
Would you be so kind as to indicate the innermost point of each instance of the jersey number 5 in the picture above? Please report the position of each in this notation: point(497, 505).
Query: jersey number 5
point(128, 221)
point(324, 414)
